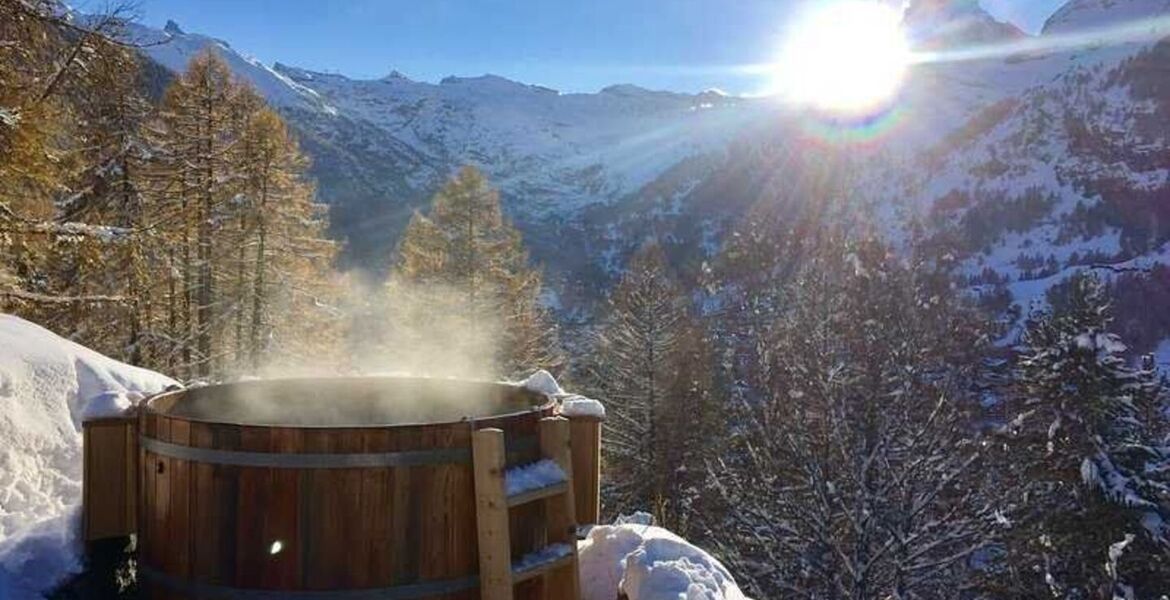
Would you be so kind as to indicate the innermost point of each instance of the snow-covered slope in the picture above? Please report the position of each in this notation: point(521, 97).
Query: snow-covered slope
point(173, 48)
point(939, 24)
point(1068, 174)
point(1087, 15)
point(1005, 142)
point(381, 147)
point(47, 384)
point(551, 152)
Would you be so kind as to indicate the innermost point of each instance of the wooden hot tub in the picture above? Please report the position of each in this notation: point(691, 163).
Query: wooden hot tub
point(325, 488)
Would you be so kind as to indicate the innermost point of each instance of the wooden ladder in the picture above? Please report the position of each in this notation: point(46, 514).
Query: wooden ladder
point(557, 562)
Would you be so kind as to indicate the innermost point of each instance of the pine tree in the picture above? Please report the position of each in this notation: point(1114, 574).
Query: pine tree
point(462, 278)
point(652, 364)
point(1087, 451)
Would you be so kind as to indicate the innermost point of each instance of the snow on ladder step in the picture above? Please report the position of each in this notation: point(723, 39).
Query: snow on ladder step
point(553, 556)
point(534, 481)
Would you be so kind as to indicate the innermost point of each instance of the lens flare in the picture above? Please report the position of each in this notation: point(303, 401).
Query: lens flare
point(849, 56)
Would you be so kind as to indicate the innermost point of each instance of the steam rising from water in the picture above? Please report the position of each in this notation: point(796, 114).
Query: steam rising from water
point(430, 330)
point(405, 330)
point(353, 402)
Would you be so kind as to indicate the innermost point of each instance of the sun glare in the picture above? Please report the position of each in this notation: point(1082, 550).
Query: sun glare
point(848, 56)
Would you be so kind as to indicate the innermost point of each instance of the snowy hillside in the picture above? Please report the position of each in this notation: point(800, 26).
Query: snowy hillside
point(173, 48)
point(1085, 15)
point(939, 24)
point(1066, 175)
point(553, 152)
point(1029, 161)
point(380, 147)
point(1055, 139)
point(48, 385)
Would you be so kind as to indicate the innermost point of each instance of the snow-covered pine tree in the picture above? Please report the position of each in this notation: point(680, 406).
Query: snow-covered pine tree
point(653, 366)
point(1088, 456)
point(847, 474)
point(463, 287)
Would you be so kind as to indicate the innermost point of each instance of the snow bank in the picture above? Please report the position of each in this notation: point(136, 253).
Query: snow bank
point(572, 405)
point(650, 563)
point(48, 386)
point(37, 557)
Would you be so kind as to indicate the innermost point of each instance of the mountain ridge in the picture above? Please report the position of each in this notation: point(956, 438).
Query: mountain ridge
point(990, 154)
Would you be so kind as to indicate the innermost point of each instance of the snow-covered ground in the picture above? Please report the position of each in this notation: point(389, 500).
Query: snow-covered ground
point(48, 386)
point(650, 563)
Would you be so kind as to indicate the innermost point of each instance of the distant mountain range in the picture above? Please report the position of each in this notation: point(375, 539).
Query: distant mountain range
point(1029, 157)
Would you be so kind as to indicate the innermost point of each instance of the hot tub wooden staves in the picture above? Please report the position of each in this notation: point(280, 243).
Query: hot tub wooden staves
point(240, 510)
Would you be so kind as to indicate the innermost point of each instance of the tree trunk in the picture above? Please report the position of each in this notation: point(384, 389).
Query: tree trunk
point(258, 296)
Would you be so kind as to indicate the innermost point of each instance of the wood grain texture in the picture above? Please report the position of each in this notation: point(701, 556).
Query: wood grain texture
point(560, 514)
point(109, 478)
point(337, 528)
point(585, 433)
point(495, 553)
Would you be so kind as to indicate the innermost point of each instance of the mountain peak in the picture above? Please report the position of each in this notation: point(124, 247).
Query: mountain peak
point(485, 79)
point(626, 89)
point(942, 24)
point(173, 28)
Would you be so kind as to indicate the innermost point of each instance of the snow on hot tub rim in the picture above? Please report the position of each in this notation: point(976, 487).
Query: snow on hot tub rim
point(546, 403)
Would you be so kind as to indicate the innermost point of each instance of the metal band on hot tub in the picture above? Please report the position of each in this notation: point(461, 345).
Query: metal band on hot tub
point(409, 591)
point(292, 460)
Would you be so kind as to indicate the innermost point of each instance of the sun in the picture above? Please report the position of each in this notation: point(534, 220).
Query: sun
point(846, 56)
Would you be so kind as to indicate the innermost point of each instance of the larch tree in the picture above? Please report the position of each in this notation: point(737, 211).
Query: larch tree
point(463, 282)
point(242, 244)
point(284, 259)
point(198, 133)
point(53, 71)
point(111, 124)
point(652, 364)
point(147, 231)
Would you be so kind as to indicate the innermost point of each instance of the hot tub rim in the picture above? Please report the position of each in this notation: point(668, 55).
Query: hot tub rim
point(148, 406)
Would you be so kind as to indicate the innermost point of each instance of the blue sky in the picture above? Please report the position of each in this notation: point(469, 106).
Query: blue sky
point(580, 45)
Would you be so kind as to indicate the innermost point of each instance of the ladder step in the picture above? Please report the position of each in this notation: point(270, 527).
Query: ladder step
point(540, 475)
point(555, 489)
point(549, 558)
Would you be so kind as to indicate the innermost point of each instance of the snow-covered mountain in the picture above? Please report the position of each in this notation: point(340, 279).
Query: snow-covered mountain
point(381, 147)
point(938, 24)
point(1088, 15)
point(1032, 157)
point(1070, 173)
